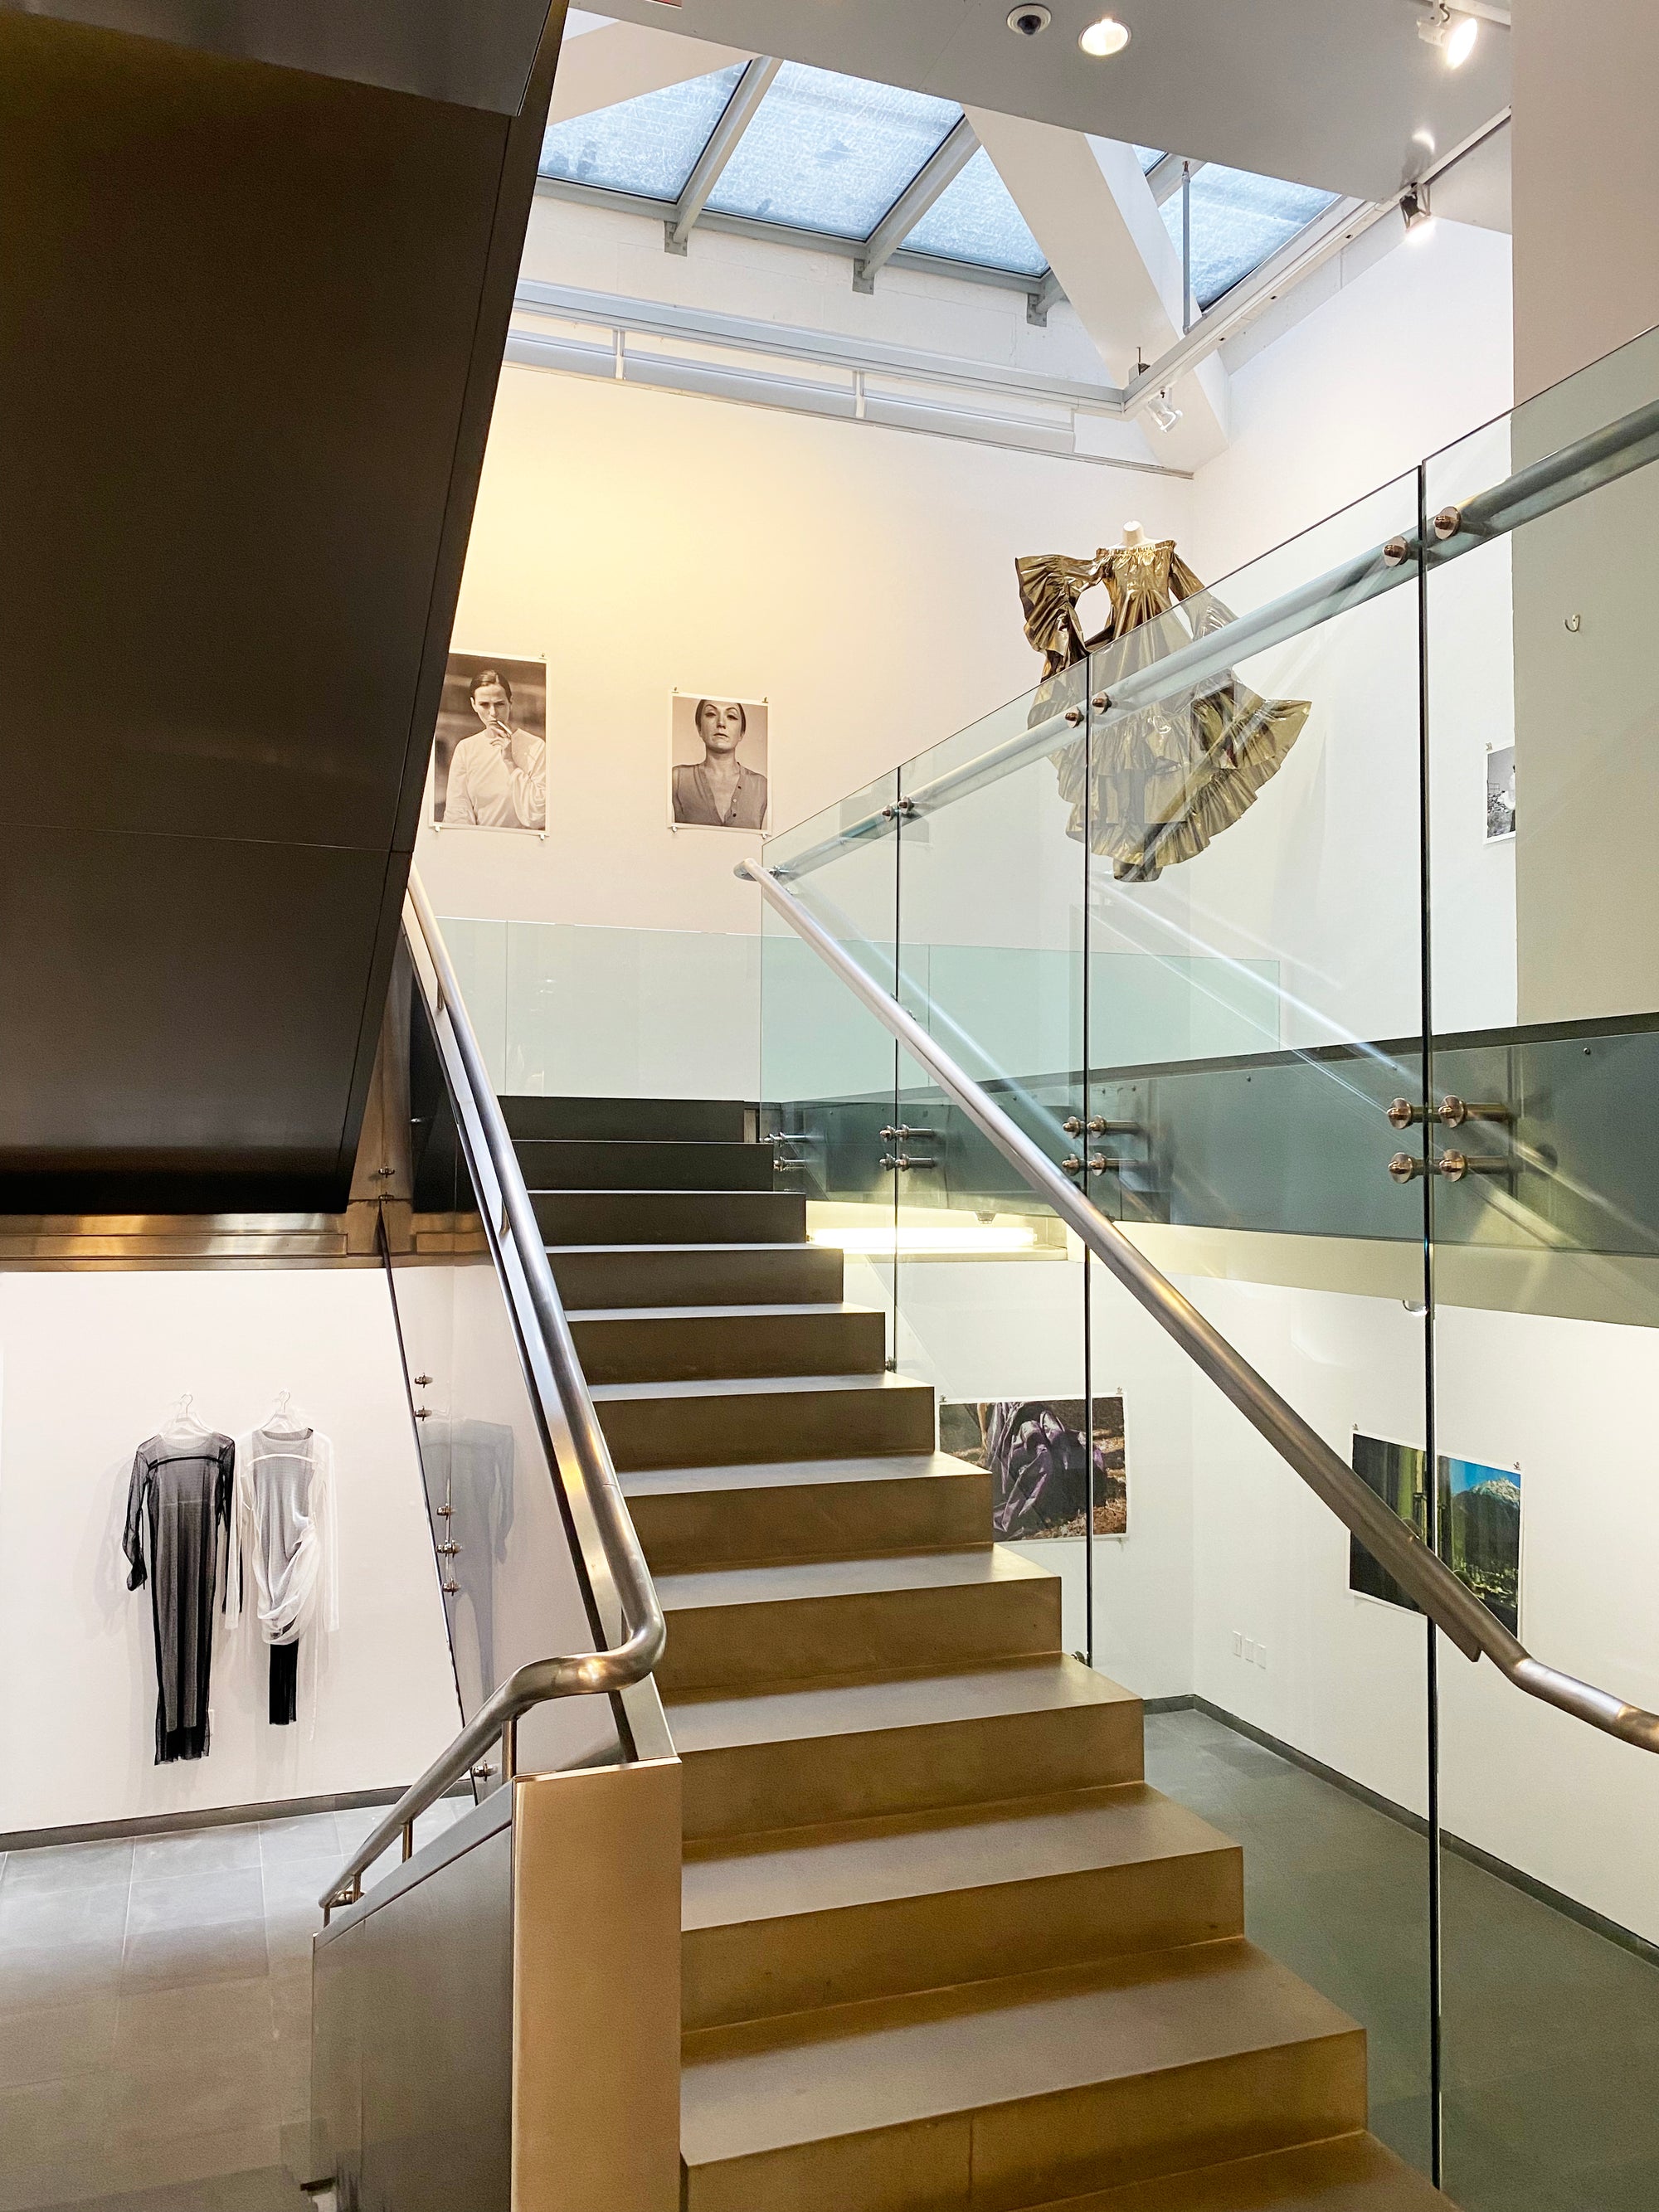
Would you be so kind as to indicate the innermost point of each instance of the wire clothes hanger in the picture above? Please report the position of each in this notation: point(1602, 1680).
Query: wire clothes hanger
point(283, 1421)
point(181, 1422)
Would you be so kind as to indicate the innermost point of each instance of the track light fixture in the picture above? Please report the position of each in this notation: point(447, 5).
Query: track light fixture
point(1163, 411)
point(1455, 35)
point(1414, 207)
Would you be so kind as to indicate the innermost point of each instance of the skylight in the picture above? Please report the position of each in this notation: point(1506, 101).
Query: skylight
point(1238, 220)
point(975, 219)
point(830, 153)
point(648, 145)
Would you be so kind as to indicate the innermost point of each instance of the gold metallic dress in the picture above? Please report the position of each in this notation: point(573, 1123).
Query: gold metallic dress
point(1155, 783)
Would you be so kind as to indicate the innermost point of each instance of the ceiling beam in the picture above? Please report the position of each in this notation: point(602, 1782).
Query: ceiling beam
point(750, 89)
point(1092, 212)
point(940, 170)
point(614, 62)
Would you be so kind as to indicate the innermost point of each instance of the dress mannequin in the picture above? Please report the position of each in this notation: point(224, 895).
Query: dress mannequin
point(1152, 785)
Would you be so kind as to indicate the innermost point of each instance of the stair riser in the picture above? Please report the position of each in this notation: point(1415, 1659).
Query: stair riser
point(752, 1647)
point(818, 1520)
point(759, 1425)
point(744, 1789)
point(670, 1216)
point(572, 1164)
point(763, 1968)
point(699, 1275)
point(1033, 2152)
point(684, 1121)
point(708, 1349)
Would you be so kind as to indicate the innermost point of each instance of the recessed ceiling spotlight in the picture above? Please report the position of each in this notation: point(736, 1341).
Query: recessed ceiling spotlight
point(1455, 35)
point(1163, 411)
point(1028, 21)
point(1108, 36)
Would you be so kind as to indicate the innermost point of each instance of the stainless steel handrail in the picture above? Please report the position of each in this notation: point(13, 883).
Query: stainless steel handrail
point(1454, 1609)
point(1585, 465)
point(586, 1674)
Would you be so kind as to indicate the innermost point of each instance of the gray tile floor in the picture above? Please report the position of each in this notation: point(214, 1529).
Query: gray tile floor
point(155, 2001)
point(1552, 2032)
point(155, 2015)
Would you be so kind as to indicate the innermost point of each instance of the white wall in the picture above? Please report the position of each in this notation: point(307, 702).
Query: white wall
point(92, 1366)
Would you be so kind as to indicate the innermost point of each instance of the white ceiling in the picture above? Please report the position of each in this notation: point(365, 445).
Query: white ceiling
point(1341, 94)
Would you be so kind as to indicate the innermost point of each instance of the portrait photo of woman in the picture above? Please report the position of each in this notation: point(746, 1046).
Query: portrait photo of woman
point(718, 771)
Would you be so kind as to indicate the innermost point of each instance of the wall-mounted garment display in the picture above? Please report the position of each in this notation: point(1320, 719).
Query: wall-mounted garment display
point(178, 1500)
point(284, 1555)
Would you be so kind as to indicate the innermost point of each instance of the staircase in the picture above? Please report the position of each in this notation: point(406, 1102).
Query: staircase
point(944, 1950)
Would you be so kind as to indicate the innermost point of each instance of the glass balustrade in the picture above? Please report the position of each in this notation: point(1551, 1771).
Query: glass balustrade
point(1308, 929)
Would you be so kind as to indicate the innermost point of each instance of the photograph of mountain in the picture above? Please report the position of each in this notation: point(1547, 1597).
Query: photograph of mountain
point(1478, 1523)
point(1398, 1473)
point(1481, 1534)
point(1039, 1462)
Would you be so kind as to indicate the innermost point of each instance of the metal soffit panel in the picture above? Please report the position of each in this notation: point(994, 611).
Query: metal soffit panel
point(235, 487)
point(1329, 93)
point(474, 53)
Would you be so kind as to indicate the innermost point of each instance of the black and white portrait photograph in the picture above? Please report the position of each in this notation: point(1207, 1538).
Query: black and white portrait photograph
point(1500, 793)
point(718, 772)
point(490, 763)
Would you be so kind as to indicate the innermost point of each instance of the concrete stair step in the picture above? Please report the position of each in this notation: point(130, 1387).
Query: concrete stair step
point(1010, 2094)
point(638, 1163)
point(763, 1417)
point(670, 1216)
point(753, 1627)
point(663, 1344)
point(860, 1746)
point(1348, 2173)
point(704, 1516)
point(687, 1121)
point(831, 1914)
point(592, 1276)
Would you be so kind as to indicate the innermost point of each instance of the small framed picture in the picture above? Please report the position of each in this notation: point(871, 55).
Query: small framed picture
point(1500, 793)
point(717, 775)
point(490, 758)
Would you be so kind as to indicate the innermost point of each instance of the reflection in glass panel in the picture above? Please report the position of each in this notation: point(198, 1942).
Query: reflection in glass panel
point(648, 145)
point(1238, 220)
point(830, 153)
point(975, 219)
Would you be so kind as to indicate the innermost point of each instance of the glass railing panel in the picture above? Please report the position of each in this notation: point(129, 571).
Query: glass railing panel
point(1543, 743)
point(989, 1289)
point(513, 1592)
point(1251, 813)
point(828, 1068)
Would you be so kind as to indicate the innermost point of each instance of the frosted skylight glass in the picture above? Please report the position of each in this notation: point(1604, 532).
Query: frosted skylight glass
point(975, 219)
point(1238, 220)
point(648, 145)
point(830, 153)
point(1148, 156)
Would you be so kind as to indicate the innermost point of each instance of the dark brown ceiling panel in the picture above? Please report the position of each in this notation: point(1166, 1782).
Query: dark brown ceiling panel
point(250, 320)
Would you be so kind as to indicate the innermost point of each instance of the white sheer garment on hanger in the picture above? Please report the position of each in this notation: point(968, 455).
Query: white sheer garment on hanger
point(284, 1536)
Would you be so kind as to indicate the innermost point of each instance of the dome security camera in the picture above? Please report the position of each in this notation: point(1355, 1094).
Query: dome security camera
point(1029, 21)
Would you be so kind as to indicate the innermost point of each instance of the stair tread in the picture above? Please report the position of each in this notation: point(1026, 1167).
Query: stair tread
point(886, 2062)
point(820, 1309)
point(787, 1580)
point(912, 1855)
point(1347, 2174)
point(731, 1386)
point(791, 1473)
point(855, 1705)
